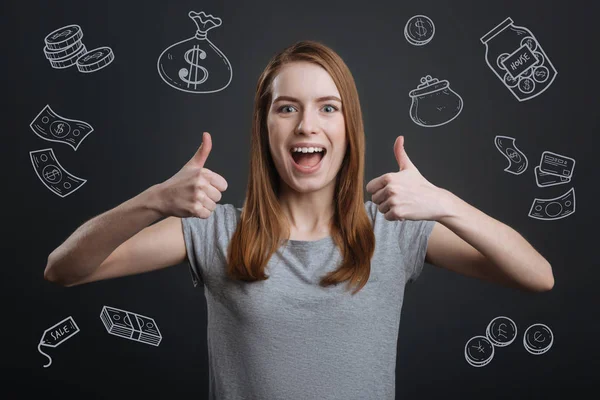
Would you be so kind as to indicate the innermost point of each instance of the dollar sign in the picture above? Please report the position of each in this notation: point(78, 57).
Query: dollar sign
point(97, 54)
point(52, 175)
point(60, 34)
point(421, 30)
point(527, 85)
point(59, 129)
point(540, 74)
point(191, 57)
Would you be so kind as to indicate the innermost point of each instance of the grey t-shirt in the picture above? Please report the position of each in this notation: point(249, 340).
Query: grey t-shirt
point(289, 338)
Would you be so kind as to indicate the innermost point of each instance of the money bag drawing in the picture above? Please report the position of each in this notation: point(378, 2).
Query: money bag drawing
point(196, 65)
point(434, 103)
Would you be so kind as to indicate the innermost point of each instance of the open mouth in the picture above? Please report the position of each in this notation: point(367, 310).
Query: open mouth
point(308, 160)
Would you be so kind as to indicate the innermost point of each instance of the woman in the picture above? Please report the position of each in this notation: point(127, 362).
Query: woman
point(298, 332)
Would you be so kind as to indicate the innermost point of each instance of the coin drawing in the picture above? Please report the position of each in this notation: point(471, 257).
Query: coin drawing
point(95, 60)
point(64, 48)
point(419, 30)
point(479, 351)
point(501, 331)
point(538, 339)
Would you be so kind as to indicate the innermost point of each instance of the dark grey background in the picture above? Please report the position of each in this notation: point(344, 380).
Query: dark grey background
point(145, 131)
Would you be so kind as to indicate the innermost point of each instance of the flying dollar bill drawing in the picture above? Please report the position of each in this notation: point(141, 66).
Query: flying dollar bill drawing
point(516, 159)
point(52, 127)
point(52, 174)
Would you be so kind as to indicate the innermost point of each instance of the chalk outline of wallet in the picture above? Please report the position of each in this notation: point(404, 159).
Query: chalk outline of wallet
point(132, 326)
point(529, 78)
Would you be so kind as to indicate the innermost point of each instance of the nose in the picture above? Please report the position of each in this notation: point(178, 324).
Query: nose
point(309, 122)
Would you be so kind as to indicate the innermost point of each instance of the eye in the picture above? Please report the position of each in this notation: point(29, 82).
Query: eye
point(283, 107)
point(330, 107)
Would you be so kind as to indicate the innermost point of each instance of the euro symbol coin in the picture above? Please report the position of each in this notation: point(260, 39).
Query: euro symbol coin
point(419, 30)
point(538, 339)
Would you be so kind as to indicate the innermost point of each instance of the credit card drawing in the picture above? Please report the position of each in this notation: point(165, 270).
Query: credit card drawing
point(544, 179)
point(557, 164)
point(130, 325)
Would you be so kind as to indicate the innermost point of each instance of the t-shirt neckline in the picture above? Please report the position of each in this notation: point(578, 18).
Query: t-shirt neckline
point(308, 243)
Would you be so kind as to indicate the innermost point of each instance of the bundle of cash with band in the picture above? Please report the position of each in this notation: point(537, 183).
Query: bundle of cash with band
point(64, 48)
point(130, 325)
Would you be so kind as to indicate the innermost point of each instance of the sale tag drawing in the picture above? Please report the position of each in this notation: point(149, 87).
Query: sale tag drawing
point(57, 334)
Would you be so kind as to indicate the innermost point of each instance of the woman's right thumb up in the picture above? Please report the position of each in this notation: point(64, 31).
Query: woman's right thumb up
point(203, 151)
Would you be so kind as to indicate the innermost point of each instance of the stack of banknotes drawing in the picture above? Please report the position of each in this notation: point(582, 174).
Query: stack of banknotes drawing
point(52, 127)
point(130, 325)
point(64, 48)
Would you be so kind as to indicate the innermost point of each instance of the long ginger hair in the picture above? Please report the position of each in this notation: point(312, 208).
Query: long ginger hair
point(263, 227)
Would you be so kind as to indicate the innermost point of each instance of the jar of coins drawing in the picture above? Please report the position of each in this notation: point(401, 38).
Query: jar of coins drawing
point(434, 103)
point(518, 60)
point(196, 65)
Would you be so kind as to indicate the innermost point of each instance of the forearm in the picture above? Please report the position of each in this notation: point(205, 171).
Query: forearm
point(506, 250)
point(95, 240)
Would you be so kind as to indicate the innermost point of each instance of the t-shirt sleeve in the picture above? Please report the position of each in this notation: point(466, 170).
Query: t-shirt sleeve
point(410, 236)
point(413, 240)
point(200, 236)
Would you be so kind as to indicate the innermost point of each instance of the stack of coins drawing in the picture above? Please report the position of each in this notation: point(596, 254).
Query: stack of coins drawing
point(64, 49)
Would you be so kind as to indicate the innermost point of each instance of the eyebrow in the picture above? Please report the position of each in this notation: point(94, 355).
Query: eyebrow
point(290, 98)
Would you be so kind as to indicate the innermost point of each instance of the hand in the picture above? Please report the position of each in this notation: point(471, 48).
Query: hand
point(194, 190)
point(406, 194)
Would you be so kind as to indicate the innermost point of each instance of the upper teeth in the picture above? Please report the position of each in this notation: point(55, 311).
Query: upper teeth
point(307, 149)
